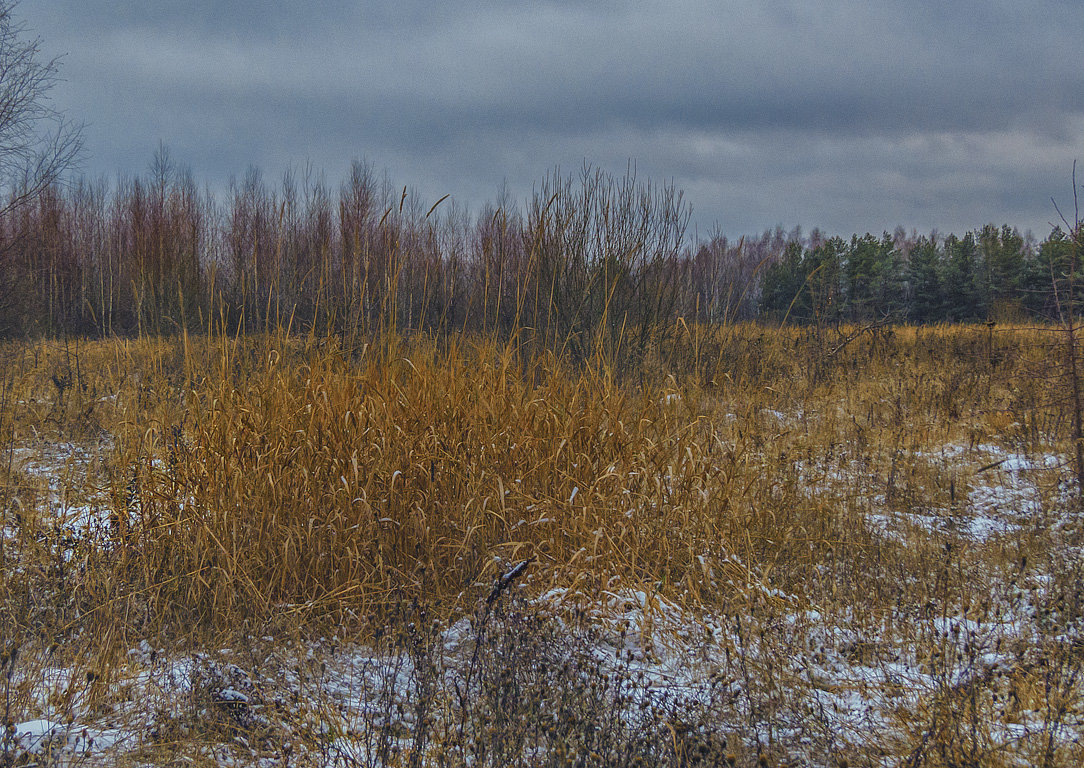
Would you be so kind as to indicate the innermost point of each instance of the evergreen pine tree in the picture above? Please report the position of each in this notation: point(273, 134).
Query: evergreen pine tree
point(959, 279)
point(924, 276)
point(784, 294)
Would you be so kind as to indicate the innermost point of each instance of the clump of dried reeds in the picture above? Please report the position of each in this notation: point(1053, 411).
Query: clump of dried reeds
point(297, 484)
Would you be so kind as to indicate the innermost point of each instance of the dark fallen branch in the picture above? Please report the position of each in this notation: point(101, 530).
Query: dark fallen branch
point(505, 581)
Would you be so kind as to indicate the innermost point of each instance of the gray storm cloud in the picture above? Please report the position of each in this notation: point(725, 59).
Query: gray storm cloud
point(846, 115)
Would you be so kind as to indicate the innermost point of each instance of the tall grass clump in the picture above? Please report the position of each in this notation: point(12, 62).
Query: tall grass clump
point(606, 275)
point(786, 506)
point(284, 473)
point(306, 477)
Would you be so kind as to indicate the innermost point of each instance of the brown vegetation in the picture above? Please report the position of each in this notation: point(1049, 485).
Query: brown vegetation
point(809, 496)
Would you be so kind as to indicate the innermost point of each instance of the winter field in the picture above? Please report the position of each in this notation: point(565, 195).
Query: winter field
point(821, 546)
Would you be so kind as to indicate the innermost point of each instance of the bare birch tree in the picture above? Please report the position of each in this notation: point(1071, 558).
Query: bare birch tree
point(37, 142)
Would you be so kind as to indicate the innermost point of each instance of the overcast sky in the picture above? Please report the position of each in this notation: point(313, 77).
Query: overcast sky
point(851, 116)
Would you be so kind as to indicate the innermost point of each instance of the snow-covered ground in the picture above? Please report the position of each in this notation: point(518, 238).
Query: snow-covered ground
point(797, 674)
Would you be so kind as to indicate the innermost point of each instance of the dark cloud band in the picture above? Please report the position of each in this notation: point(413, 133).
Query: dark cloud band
point(844, 115)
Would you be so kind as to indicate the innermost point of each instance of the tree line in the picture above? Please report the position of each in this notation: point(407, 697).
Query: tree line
point(590, 264)
point(989, 274)
point(591, 261)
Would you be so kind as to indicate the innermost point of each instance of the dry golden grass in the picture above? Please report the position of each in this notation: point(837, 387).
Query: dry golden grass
point(254, 474)
point(763, 474)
